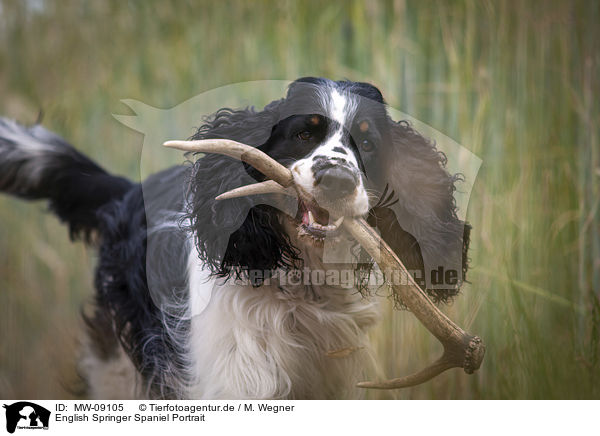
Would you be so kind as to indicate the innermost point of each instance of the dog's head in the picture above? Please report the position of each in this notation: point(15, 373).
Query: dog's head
point(348, 159)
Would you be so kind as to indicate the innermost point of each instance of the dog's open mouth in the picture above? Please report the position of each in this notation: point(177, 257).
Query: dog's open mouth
point(314, 221)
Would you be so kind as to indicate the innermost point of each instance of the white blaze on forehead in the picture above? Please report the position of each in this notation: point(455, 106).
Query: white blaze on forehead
point(338, 106)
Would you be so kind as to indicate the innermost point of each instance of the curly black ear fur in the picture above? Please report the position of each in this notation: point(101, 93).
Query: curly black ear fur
point(228, 243)
point(419, 221)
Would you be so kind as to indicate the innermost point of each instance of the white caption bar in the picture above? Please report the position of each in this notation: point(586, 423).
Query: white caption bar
point(299, 417)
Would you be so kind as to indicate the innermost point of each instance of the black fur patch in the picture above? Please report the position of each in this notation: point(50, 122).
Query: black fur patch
point(260, 242)
point(122, 279)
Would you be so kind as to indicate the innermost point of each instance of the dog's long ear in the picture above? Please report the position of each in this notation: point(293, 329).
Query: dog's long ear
point(416, 214)
point(232, 235)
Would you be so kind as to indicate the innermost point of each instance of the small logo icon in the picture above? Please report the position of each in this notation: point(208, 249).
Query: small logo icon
point(26, 415)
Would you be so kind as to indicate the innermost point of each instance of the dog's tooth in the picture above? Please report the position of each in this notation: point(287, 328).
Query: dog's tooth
point(311, 218)
point(338, 222)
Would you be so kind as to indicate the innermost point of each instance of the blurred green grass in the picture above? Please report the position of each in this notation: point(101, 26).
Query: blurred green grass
point(515, 82)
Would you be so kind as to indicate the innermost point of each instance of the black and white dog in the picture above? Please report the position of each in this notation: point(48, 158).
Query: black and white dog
point(201, 298)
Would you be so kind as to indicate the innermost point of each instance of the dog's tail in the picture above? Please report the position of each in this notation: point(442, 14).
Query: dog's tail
point(37, 164)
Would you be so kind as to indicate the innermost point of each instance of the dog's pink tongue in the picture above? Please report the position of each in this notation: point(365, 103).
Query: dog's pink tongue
point(305, 219)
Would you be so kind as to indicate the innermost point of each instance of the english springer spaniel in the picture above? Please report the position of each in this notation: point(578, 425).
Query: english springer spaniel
point(260, 296)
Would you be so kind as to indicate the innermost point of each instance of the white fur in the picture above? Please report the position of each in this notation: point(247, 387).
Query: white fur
point(271, 342)
point(338, 107)
point(29, 140)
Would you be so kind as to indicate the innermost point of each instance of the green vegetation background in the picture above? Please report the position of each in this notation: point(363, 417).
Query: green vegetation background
point(515, 82)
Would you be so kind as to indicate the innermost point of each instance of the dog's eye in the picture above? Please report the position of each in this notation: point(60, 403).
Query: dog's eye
point(305, 135)
point(367, 145)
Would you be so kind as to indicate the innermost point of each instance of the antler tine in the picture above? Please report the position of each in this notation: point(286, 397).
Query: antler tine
point(246, 153)
point(461, 350)
point(267, 187)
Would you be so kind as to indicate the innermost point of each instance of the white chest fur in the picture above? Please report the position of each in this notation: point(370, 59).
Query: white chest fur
point(272, 341)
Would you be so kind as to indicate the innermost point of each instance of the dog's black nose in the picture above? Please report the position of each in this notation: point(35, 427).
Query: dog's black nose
point(336, 181)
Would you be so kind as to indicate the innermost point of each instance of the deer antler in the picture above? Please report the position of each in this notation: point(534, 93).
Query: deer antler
point(461, 350)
